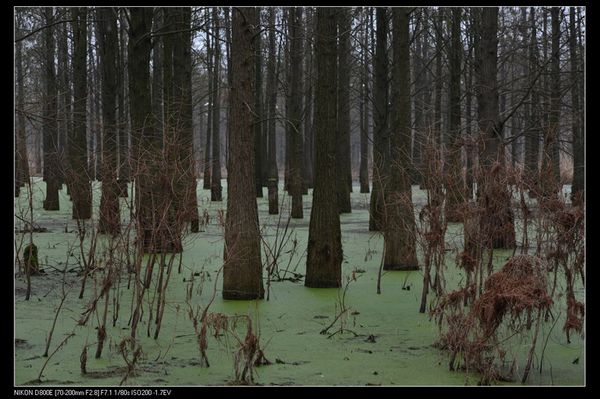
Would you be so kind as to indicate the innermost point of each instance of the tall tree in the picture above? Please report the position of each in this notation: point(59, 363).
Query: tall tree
point(454, 181)
point(436, 133)
point(498, 220)
point(364, 106)
point(242, 270)
point(532, 135)
point(81, 191)
point(21, 159)
point(309, 156)
point(94, 85)
point(550, 178)
point(577, 189)
point(182, 83)
point(324, 251)
point(271, 92)
point(50, 127)
point(124, 164)
point(294, 112)
point(227, 23)
point(380, 117)
point(109, 221)
point(419, 72)
point(399, 230)
point(207, 179)
point(64, 99)
point(216, 190)
point(343, 112)
point(147, 139)
point(469, 139)
point(258, 128)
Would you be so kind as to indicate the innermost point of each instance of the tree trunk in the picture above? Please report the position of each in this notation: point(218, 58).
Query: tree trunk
point(324, 251)
point(207, 179)
point(577, 188)
point(364, 109)
point(454, 181)
point(497, 221)
point(109, 222)
point(50, 128)
point(469, 137)
point(21, 159)
point(550, 173)
point(343, 117)
point(95, 83)
point(81, 191)
point(294, 112)
point(65, 102)
point(124, 164)
point(182, 73)
point(308, 150)
point(419, 72)
point(532, 135)
point(151, 203)
point(399, 232)
point(227, 21)
point(258, 139)
point(242, 270)
point(439, 81)
point(216, 190)
point(380, 115)
point(428, 118)
point(272, 114)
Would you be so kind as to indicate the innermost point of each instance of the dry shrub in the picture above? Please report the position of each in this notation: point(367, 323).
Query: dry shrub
point(518, 288)
point(511, 295)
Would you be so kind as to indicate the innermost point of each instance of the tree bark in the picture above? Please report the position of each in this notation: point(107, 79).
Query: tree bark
point(550, 173)
point(21, 159)
point(151, 179)
point(294, 112)
point(242, 271)
point(271, 92)
point(216, 190)
point(182, 73)
point(469, 136)
point(324, 251)
point(109, 221)
point(343, 117)
point(497, 221)
point(124, 161)
point(380, 116)
point(454, 181)
point(399, 232)
point(532, 135)
point(81, 191)
point(364, 108)
point(50, 127)
point(577, 188)
point(207, 179)
point(258, 138)
point(308, 125)
point(419, 72)
point(64, 98)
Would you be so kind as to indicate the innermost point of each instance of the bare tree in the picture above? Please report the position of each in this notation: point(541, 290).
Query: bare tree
point(324, 252)
point(242, 270)
point(399, 224)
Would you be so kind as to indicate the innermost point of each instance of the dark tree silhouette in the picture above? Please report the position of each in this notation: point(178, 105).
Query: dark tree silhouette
point(399, 228)
point(242, 270)
point(324, 252)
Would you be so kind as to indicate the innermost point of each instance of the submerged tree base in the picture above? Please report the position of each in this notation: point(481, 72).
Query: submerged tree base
point(323, 284)
point(239, 295)
point(400, 266)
